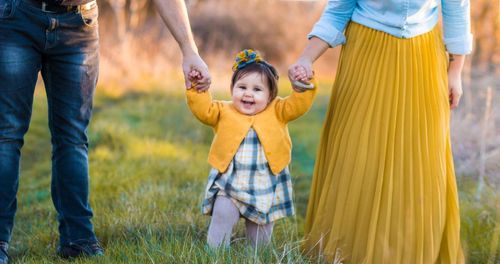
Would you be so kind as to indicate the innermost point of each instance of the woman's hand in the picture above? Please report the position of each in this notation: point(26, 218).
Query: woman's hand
point(301, 71)
point(456, 63)
point(454, 89)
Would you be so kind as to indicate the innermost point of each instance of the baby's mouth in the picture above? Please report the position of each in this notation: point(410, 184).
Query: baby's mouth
point(247, 103)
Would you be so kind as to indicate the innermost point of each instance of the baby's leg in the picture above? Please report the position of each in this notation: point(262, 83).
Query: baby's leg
point(259, 234)
point(224, 216)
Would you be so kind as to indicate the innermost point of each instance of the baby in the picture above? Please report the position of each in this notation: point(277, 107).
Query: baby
point(251, 150)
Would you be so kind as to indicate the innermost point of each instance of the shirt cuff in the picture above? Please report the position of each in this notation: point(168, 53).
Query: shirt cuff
point(327, 33)
point(459, 45)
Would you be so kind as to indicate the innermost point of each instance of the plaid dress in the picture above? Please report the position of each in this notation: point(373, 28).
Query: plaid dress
point(259, 195)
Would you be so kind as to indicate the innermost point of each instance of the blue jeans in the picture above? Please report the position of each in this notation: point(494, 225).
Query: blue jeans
point(64, 47)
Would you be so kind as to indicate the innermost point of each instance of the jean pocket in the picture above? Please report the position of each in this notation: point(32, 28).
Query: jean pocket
point(7, 8)
point(89, 16)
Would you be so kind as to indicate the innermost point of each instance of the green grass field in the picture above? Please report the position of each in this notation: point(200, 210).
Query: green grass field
point(148, 171)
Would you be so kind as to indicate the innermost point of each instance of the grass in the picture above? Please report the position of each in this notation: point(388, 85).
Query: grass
point(148, 172)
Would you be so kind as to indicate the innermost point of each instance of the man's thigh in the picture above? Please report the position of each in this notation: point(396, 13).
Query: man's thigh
point(70, 71)
point(19, 66)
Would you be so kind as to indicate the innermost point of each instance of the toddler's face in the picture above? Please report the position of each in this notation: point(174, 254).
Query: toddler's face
point(251, 94)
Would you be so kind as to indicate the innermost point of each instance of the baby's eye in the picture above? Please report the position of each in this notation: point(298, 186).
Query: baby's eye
point(257, 89)
point(242, 87)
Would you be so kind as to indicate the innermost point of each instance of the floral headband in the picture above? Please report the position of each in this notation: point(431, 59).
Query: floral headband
point(245, 58)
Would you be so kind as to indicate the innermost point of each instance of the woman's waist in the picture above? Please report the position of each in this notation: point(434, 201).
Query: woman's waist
point(395, 24)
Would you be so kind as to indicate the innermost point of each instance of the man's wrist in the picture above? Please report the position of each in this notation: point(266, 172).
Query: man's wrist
point(189, 50)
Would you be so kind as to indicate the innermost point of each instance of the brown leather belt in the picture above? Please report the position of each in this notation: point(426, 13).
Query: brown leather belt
point(51, 8)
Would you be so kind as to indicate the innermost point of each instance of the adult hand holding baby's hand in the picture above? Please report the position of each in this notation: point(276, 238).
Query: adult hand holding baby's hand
point(196, 72)
point(193, 77)
point(300, 75)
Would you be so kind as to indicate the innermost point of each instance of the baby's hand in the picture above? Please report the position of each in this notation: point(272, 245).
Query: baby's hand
point(194, 76)
point(298, 73)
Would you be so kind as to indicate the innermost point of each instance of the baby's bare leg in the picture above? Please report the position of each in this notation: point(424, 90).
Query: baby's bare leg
point(259, 234)
point(225, 215)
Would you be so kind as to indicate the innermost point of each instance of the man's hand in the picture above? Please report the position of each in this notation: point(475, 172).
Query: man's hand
point(196, 72)
point(175, 15)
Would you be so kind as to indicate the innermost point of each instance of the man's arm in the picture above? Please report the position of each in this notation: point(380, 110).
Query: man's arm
point(174, 14)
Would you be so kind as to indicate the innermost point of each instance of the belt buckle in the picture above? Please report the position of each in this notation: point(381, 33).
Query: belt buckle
point(87, 6)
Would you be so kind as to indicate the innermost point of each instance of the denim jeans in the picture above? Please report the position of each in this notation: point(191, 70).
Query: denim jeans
point(64, 47)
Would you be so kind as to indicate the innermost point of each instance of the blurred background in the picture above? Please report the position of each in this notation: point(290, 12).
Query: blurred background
point(148, 153)
point(137, 47)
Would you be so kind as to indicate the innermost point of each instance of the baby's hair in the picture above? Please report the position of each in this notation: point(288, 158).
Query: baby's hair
point(264, 69)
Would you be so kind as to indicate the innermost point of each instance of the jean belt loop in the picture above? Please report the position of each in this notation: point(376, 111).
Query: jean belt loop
point(44, 7)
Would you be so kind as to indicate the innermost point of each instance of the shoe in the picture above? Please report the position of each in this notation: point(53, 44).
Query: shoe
point(72, 251)
point(4, 257)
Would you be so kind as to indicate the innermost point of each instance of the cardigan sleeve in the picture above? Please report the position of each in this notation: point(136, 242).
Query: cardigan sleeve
point(296, 104)
point(203, 107)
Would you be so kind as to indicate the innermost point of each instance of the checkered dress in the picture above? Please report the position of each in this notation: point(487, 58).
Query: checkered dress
point(259, 195)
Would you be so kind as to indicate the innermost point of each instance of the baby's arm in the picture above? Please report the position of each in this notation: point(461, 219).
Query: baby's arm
point(296, 104)
point(202, 106)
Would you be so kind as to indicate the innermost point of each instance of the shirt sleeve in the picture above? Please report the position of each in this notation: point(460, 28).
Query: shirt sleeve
point(456, 23)
point(331, 25)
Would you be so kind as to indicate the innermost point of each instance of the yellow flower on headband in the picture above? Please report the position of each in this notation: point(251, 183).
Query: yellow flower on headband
point(246, 57)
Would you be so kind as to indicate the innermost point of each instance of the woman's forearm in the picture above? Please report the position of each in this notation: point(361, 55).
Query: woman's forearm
point(456, 64)
point(314, 49)
point(302, 69)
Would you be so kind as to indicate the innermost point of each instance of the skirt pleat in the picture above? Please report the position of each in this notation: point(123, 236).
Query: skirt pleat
point(384, 187)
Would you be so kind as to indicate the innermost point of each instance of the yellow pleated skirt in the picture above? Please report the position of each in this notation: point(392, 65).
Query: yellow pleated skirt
point(384, 188)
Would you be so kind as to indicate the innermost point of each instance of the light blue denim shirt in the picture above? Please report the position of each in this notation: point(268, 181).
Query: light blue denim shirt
point(400, 18)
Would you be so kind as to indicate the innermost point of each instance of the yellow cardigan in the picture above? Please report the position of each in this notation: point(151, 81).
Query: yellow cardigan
point(231, 126)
